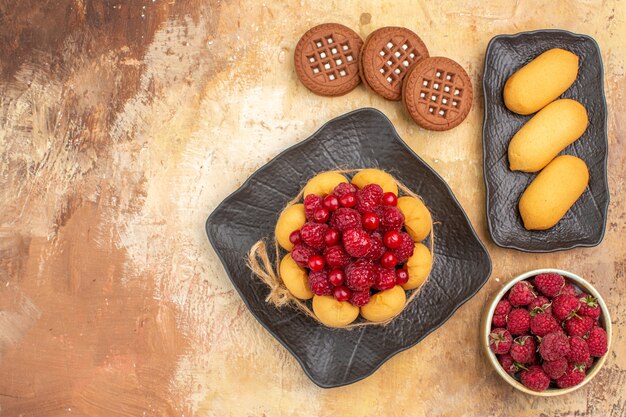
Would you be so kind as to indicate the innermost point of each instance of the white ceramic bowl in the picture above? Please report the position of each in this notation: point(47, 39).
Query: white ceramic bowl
point(605, 320)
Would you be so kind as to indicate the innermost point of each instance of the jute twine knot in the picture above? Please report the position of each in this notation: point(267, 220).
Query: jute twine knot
point(261, 265)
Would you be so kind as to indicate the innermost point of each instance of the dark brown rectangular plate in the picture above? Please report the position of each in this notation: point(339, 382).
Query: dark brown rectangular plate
point(585, 222)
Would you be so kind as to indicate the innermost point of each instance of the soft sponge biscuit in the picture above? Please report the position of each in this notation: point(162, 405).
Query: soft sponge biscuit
point(540, 81)
point(418, 267)
point(550, 131)
point(324, 183)
point(292, 218)
point(332, 312)
point(295, 278)
point(384, 305)
point(553, 192)
point(417, 218)
point(375, 176)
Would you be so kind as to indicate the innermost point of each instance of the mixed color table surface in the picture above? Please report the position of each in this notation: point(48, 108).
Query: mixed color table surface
point(123, 124)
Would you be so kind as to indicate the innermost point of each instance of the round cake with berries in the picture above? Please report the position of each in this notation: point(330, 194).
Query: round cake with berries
point(355, 247)
point(547, 332)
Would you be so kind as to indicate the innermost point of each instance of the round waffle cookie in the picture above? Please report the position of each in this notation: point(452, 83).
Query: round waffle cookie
point(327, 59)
point(437, 93)
point(387, 55)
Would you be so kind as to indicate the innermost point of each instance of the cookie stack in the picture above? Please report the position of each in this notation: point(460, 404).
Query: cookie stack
point(331, 60)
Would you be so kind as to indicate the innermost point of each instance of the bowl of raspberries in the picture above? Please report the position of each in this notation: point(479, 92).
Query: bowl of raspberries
point(547, 332)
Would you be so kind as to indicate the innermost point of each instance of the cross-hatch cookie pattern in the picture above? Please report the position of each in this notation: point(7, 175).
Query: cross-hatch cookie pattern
point(397, 57)
point(440, 93)
point(330, 57)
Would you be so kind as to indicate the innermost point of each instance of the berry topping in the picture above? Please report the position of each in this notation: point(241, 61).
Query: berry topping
point(521, 294)
point(385, 279)
point(319, 283)
point(294, 237)
point(345, 218)
point(332, 237)
point(316, 263)
point(331, 202)
point(535, 378)
point(500, 341)
point(540, 304)
point(336, 277)
point(390, 199)
point(301, 254)
point(313, 234)
point(569, 289)
point(392, 239)
point(402, 276)
point(518, 322)
point(564, 306)
point(499, 320)
point(405, 250)
point(549, 284)
point(370, 221)
point(348, 200)
point(391, 218)
point(336, 257)
point(360, 298)
point(356, 242)
point(360, 275)
point(311, 203)
point(377, 249)
point(554, 346)
point(344, 188)
point(342, 293)
point(369, 197)
point(388, 260)
point(321, 215)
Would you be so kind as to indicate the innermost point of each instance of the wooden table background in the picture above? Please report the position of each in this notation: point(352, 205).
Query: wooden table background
point(124, 123)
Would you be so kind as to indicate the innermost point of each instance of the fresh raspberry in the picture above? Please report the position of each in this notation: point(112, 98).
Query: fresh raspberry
point(540, 304)
point(508, 364)
point(589, 362)
point(377, 249)
point(319, 283)
point(500, 341)
point(385, 279)
point(368, 198)
point(569, 289)
point(574, 375)
point(521, 294)
point(311, 203)
point(499, 320)
point(543, 323)
point(344, 188)
point(345, 218)
point(535, 378)
point(336, 257)
point(588, 306)
point(553, 346)
point(360, 275)
point(578, 325)
point(405, 250)
point(313, 234)
point(360, 298)
point(556, 368)
point(564, 306)
point(597, 342)
point(356, 242)
point(523, 350)
point(301, 254)
point(518, 321)
point(391, 218)
point(549, 284)
point(578, 350)
point(503, 307)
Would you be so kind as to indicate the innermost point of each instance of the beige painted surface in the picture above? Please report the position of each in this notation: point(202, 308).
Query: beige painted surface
point(122, 125)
